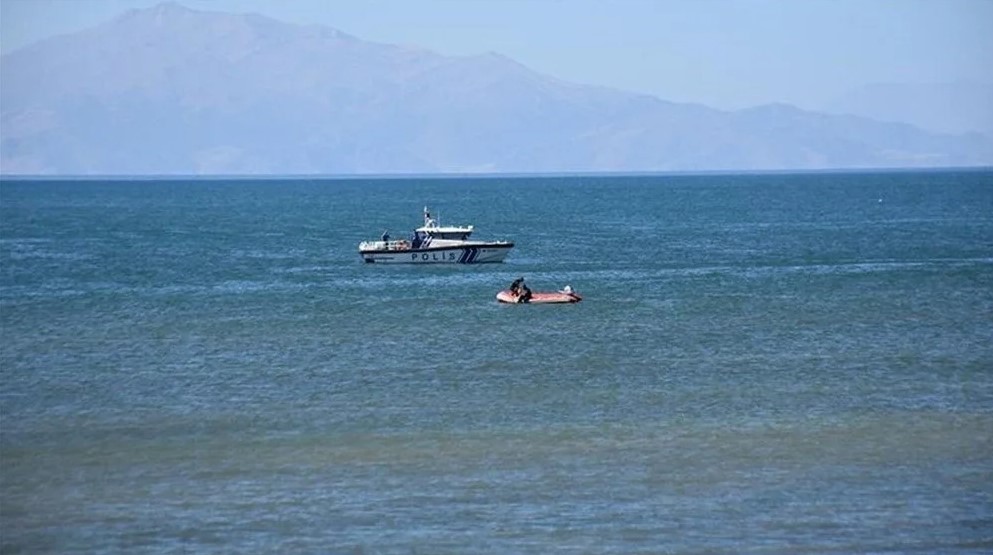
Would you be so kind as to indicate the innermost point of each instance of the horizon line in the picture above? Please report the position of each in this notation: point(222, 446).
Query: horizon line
point(474, 175)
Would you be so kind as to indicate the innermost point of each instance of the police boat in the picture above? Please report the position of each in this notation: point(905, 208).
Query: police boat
point(433, 243)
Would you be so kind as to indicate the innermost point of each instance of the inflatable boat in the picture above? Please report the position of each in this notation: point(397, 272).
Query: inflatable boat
point(541, 297)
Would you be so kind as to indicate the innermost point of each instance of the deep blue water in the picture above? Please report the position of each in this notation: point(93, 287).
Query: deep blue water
point(761, 364)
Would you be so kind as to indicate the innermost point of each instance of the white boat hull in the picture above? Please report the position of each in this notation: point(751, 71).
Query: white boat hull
point(467, 254)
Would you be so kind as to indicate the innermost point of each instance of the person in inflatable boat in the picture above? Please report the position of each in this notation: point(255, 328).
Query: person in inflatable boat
point(523, 293)
point(516, 285)
point(521, 290)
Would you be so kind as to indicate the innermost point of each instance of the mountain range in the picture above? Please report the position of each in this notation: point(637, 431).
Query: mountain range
point(956, 107)
point(173, 91)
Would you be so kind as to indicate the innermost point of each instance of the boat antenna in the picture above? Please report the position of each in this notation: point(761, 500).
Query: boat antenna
point(428, 220)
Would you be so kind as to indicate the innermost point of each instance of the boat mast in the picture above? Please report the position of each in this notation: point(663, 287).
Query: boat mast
point(428, 220)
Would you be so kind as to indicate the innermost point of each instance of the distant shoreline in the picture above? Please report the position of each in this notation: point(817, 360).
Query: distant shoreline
point(509, 175)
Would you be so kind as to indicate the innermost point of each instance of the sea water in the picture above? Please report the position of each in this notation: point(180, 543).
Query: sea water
point(767, 364)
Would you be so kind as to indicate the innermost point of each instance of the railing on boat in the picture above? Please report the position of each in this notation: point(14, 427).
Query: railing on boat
point(397, 245)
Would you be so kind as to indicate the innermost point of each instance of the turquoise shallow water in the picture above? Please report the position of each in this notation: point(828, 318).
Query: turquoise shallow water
point(761, 364)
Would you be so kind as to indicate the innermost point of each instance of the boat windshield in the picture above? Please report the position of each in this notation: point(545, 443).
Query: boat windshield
point(459, 235)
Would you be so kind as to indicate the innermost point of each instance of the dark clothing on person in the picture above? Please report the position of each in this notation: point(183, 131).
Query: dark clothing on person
point(515, 286)
point(524, 295)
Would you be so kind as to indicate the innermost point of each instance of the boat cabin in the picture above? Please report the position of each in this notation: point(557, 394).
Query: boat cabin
point(431, 232)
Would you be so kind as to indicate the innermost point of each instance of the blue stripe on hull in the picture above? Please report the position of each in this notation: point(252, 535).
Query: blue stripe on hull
point(469, 255)
point(465, 255)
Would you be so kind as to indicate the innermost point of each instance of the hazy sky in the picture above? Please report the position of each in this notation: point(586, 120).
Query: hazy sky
point(724, 53)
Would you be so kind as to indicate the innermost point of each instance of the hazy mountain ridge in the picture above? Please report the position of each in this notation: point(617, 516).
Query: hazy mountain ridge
point(170, 90)
point(961, 107)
